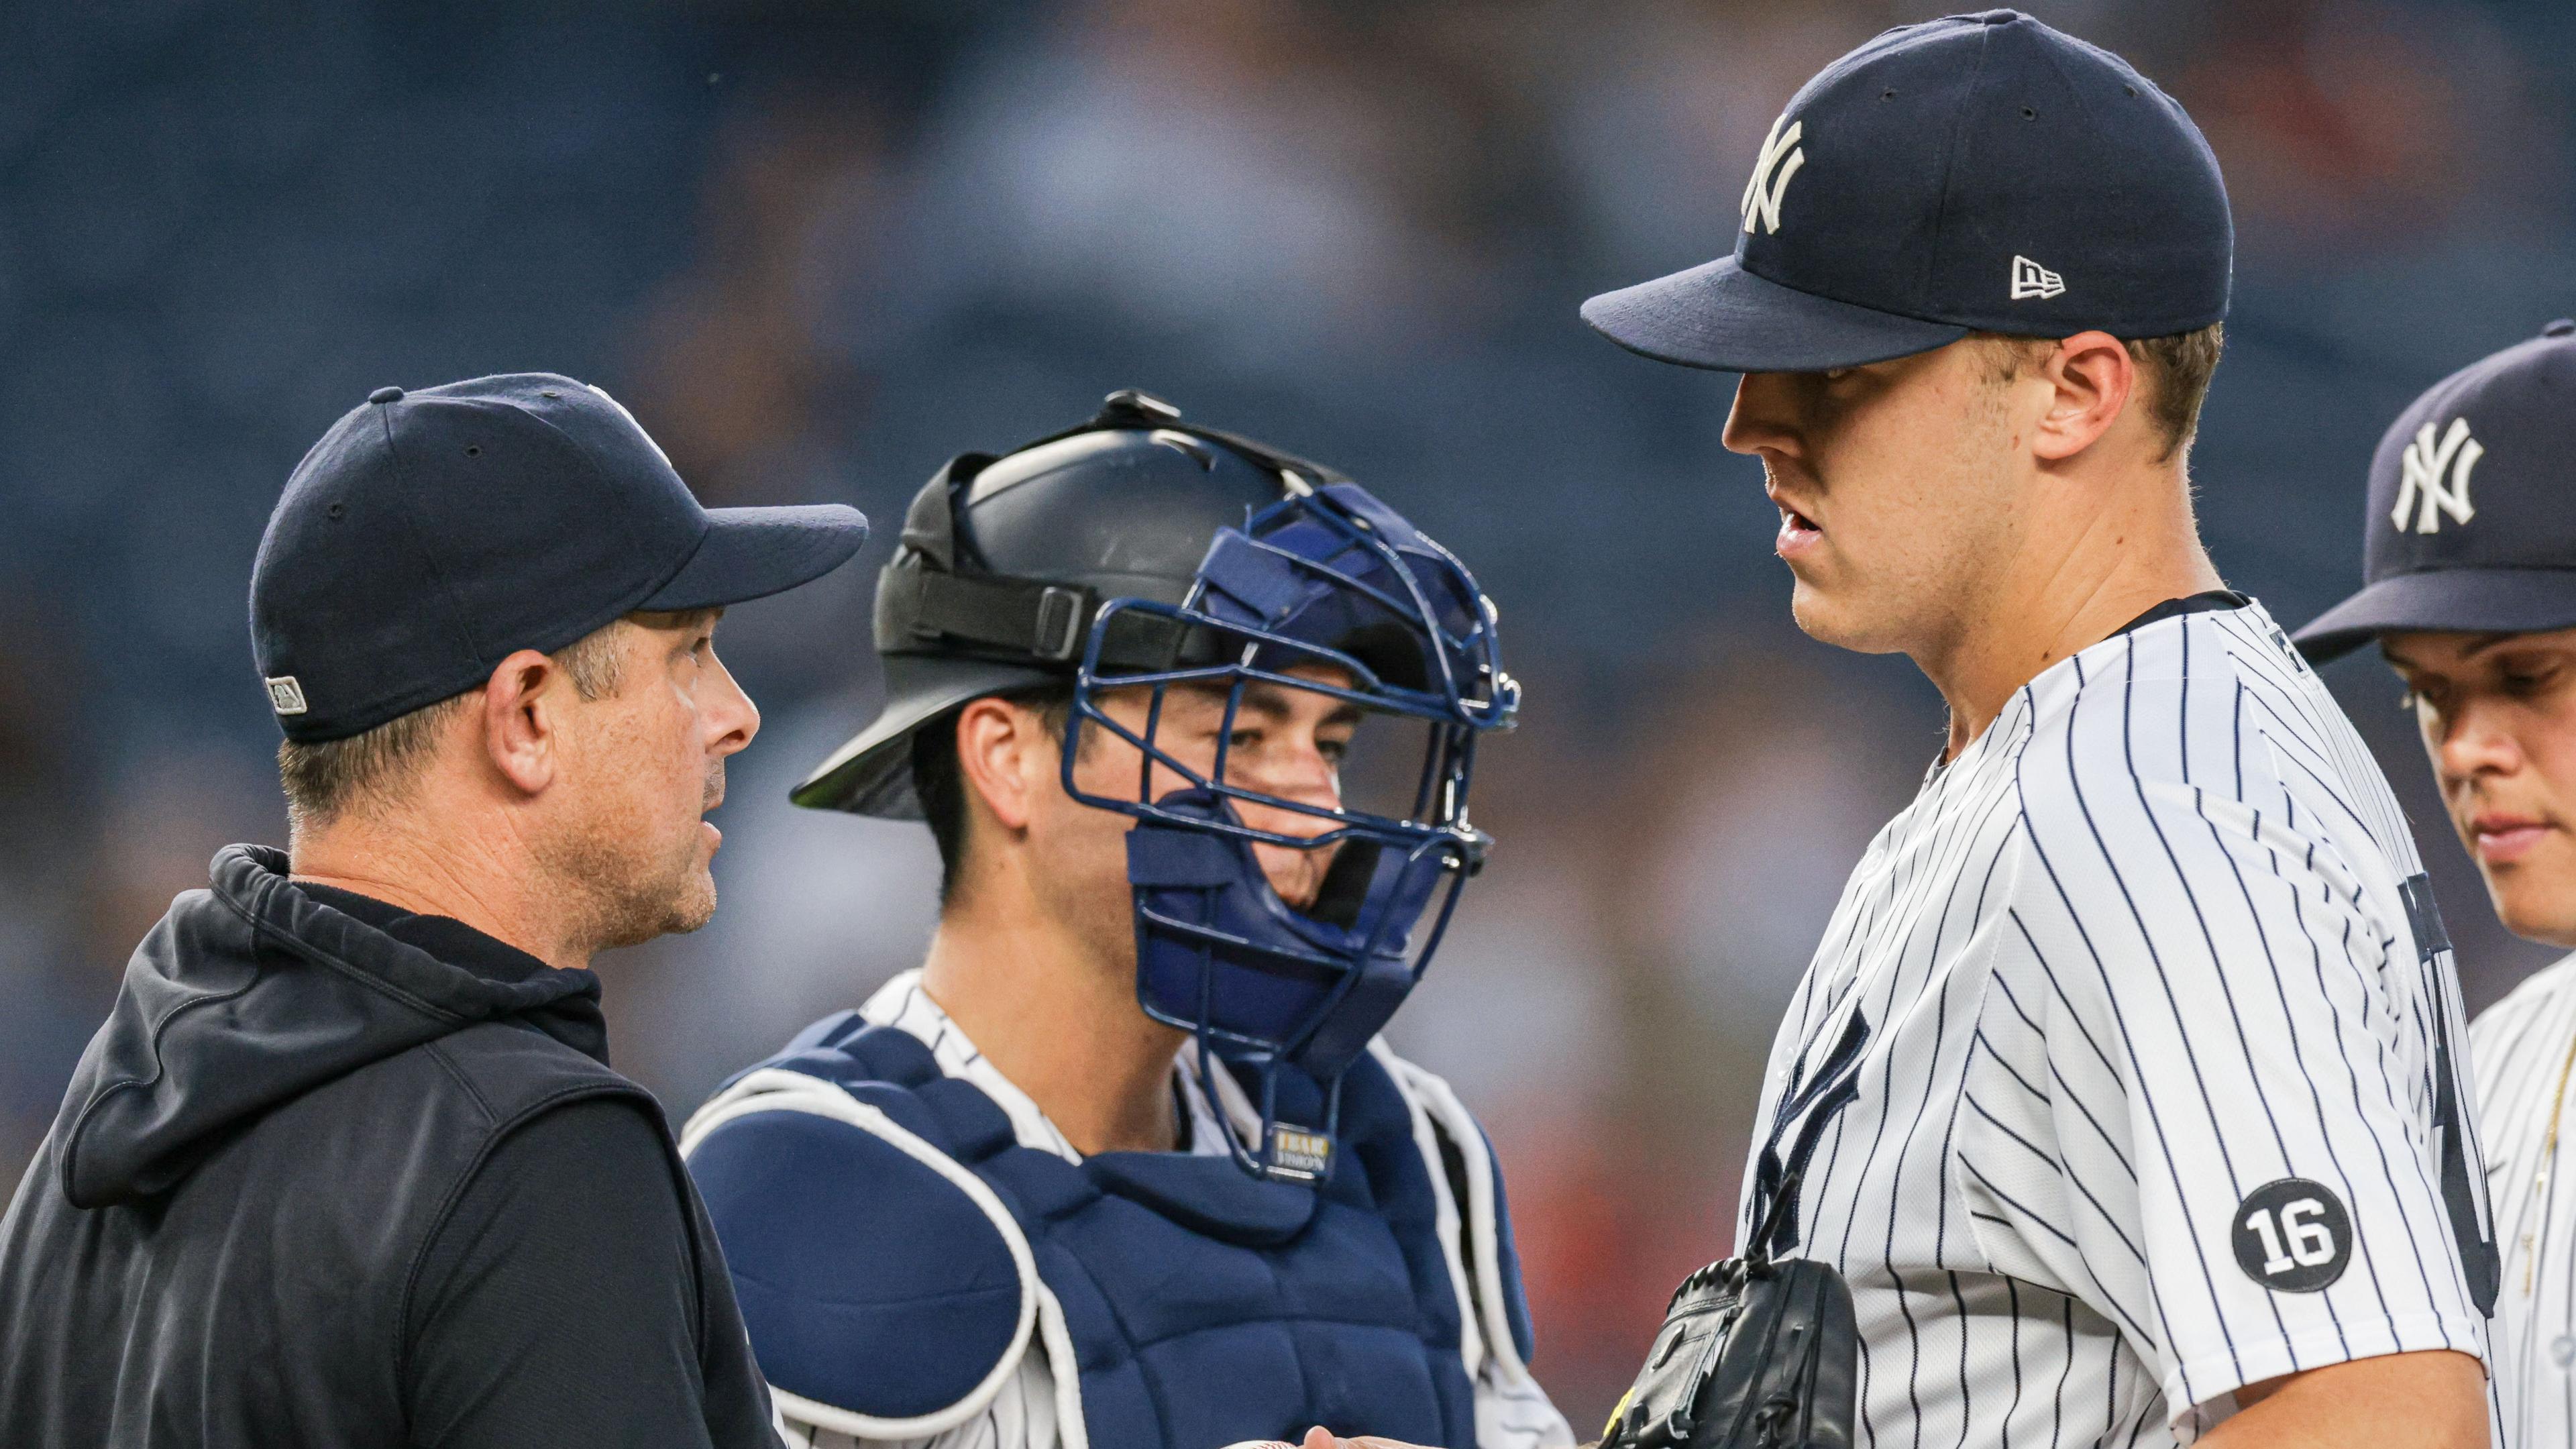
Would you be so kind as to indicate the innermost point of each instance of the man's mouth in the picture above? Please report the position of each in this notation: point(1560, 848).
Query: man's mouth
point(1797, 531)
point(712, 797)
point(2497, 838)
point(1296, 875)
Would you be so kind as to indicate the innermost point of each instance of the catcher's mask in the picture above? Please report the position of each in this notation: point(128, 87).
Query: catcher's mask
point(1328, 593)
point(1315, 601)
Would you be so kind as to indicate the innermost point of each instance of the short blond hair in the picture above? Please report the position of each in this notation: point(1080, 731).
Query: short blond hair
point(2178, 368)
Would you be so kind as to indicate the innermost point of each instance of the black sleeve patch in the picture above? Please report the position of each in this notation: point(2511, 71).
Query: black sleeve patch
point(2293, 1236)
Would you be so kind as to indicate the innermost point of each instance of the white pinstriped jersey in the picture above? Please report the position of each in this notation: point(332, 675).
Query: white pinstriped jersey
point(2141, 1058)
point(1512, 1411)
point(2519, 1051)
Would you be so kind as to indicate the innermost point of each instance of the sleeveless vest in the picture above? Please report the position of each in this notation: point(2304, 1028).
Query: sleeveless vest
point(896, 1252)
point(325, 1203)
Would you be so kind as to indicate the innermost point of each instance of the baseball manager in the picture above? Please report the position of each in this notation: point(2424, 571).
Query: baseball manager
point(347, 1165)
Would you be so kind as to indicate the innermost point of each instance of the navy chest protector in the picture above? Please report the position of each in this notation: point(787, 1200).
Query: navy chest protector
point(897, 1253)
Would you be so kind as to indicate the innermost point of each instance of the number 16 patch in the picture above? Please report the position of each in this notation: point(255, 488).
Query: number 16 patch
point(2293, 1236)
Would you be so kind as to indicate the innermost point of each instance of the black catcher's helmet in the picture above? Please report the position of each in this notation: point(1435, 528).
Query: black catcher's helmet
point(1005, 561)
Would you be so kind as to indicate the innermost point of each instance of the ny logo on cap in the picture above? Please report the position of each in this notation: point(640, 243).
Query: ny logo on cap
point(2420, 470)
point(285, 695)
point(2030, 279)
point(1762, 193)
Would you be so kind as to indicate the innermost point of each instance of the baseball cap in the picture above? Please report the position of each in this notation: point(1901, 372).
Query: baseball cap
point(1974, 173)
point(432, 533)
point(2470, 525)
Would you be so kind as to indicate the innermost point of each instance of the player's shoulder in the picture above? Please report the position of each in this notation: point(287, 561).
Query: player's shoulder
point(1441, 1116)
point(2544, 993)
point(2188, 704)
point(2199, 748)
point(889, 1288)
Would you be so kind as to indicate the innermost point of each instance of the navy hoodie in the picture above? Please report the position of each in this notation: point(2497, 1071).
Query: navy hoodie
point(313, 1184)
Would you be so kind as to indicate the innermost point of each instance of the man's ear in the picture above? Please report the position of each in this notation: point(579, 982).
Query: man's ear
point(522, 718)
point(2092, 378)
point(1002, 752)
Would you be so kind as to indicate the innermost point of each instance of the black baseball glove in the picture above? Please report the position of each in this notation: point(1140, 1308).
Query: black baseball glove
point(1754, 1353)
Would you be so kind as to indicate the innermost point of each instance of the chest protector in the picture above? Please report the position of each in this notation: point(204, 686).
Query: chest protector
point(897, 1253)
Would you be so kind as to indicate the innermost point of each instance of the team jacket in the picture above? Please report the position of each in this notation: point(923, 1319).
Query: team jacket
point(911, 1259)
point(228, 1239)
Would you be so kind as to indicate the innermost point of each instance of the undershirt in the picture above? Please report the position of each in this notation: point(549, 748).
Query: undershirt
point(559, 1302)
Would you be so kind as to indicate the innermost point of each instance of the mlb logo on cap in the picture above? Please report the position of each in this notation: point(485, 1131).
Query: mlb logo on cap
point(1946, 178)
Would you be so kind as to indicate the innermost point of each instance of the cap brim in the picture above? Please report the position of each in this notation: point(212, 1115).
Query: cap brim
point(1724, 317)
point(872, 774)
point(2468, 601)
point(751, 553)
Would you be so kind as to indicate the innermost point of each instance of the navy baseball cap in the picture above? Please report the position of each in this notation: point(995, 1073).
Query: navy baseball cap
point(1976, 173)
point(431, 534)
point(2472, 518)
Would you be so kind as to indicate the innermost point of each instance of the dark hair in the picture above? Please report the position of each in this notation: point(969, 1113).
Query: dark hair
point(940, 784)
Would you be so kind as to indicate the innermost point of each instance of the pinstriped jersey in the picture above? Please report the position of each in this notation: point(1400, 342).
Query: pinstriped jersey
point(2521, 1049)
point(2122, 1076)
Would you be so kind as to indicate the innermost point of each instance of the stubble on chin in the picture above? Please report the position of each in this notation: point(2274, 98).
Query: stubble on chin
point(615, 895)
point(688, 890)
point(619, 887)
point(691, 906)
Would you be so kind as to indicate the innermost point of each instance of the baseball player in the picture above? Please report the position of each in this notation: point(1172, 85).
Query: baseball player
point(2472, 600)
point(2123, 1088)
point(1124, 1163)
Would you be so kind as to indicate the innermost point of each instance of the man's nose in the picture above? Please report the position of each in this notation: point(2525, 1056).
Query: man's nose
point(2478, 740)
point(733, 719)
point(1764, 417)
point(1308, 779)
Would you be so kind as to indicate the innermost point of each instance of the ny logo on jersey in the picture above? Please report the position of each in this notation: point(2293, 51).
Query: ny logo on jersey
point(2030, 279)
point(2420, 471)
point(1771, 175)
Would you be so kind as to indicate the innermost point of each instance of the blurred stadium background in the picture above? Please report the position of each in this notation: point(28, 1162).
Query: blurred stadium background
point(821, 246)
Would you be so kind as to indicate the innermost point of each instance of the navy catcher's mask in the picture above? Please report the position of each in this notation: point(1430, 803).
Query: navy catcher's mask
point(1328, 593)
point(1191, 586)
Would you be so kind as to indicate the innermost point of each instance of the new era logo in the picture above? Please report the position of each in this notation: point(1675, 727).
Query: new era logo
point(2030, 279)
point(285, 695)
point(2420, 471)
point(1780, 159)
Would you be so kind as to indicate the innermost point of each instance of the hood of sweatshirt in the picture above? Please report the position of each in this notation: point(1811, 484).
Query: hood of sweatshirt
point(251, 992)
